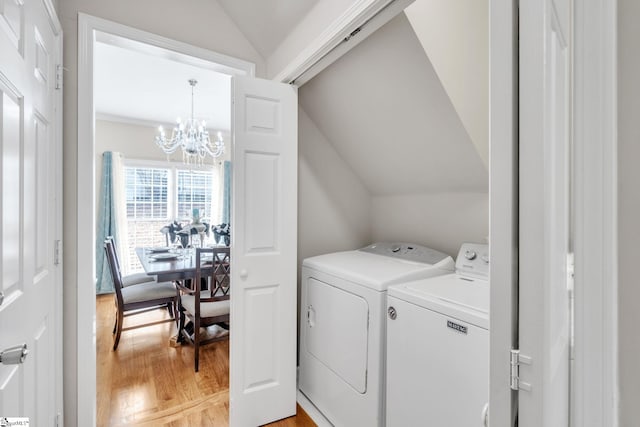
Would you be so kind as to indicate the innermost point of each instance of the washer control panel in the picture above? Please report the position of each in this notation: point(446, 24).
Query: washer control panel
point(407, 251)
point(473, 260)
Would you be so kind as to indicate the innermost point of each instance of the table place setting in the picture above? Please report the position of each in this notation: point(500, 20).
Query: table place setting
point(164, 256)
point(159, 249)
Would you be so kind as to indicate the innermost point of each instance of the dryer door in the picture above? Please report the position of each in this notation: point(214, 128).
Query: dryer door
point(337, 331)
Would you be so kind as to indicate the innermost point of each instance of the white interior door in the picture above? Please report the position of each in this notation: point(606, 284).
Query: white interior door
point(30, 122)
point(263, 254)
point(545, 200)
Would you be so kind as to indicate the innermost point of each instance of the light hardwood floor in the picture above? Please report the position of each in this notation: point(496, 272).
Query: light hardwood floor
point(148, 383)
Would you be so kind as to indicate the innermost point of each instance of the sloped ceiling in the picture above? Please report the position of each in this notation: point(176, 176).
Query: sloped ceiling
point(455, 36)
point(385, 111)
point(265, 23)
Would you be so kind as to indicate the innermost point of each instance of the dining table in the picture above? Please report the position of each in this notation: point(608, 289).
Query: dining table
point(175, 265)
point(169, 265)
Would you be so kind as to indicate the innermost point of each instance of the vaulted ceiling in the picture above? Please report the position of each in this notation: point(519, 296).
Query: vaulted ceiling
point(266, 23)
point(387, 114)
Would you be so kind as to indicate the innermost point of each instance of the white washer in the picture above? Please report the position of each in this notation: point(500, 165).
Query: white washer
point(438, 346)
point(342, 325)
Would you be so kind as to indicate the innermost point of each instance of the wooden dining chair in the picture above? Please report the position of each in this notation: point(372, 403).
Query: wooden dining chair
point(205, 300)
point(133, 278)
point(137, 298)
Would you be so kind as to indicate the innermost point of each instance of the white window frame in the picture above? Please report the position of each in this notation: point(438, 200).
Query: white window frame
point(172, 190)
point(171, 182)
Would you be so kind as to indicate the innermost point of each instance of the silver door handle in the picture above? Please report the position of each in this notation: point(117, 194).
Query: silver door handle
point(14, 355)
point(1, 297)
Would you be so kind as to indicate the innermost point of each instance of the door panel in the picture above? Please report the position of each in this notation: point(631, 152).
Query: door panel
point(544, 323)
point(11, 18)
point(262, 196)
point(264, 244)
point(30, 42)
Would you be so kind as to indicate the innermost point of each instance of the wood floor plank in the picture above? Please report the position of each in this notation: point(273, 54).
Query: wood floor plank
point(146, 382)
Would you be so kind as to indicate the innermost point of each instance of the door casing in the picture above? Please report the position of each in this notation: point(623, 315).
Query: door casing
point(83, 391)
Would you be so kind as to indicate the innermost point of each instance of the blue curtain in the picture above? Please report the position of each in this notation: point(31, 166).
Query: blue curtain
point(106, 225)
point(226, 193)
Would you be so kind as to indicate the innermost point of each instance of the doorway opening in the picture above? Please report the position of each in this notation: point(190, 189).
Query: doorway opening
point(96, 34)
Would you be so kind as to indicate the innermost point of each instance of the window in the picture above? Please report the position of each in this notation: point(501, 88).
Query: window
point(156, 196)
point(146, 192)
point(194, 192)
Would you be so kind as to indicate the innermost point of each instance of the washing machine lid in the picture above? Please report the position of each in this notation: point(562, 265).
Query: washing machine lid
point(375, 271)
point(463, 298)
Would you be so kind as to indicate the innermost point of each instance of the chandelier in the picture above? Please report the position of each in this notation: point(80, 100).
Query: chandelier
point(192, 137)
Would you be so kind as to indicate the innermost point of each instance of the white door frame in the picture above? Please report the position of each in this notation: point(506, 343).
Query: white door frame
point(85, 339)
point(595, 371)
point(503, 205)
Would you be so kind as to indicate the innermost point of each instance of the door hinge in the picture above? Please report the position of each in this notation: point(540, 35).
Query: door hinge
point(57, 249)
point(516, 360)
point(59, 73)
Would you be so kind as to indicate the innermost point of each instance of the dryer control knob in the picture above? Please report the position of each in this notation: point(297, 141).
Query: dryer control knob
point(392, 313)
point(470, 255)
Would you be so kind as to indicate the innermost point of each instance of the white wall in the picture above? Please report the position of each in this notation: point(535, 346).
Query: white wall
point(199, 22)
point(442, 221)
point(135, 141)
point(455, 36)
point(628, 208)
point(334, 207)
point(387, 114)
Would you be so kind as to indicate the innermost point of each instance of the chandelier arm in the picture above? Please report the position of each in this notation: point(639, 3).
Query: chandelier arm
point(192, 137)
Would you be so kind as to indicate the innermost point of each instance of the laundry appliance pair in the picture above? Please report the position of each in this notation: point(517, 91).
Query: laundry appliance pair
point(343, 331)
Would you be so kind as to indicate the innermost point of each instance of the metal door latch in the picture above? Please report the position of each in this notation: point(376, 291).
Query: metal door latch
point(14, 355)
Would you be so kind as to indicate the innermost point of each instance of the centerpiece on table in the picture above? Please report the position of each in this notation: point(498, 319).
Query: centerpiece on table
point(197, 225)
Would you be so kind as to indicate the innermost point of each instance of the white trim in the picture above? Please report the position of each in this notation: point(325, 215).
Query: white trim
point(58, 151)
point(53, 17)
point(85, 387)
point(503, 201)
point(228, 64)
point(85, 391)
point(356, 15)
point(595, 386)
point(161, 164)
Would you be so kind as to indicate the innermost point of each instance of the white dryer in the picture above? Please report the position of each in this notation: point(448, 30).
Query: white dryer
point(342, 326)
point(438, 346)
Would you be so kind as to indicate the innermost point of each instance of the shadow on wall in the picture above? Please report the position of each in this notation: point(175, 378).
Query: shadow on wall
point(334, 207)
point(442, 221)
